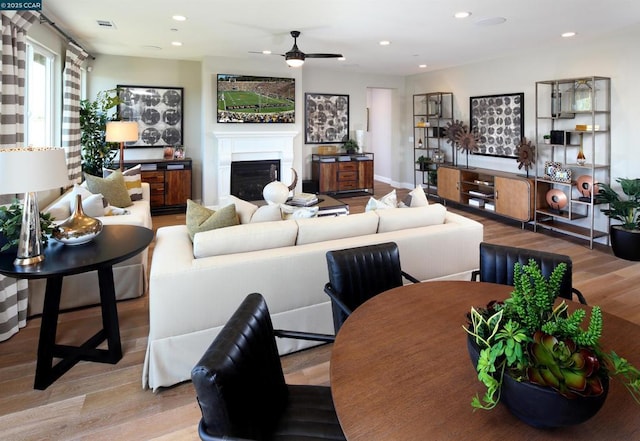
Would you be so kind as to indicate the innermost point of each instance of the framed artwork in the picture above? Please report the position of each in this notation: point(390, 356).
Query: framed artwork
point(498, 121)
point(326, 118)
point(251, 99)
point(158, 111)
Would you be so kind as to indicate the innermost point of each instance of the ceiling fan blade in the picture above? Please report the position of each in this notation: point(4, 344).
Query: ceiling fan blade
point(323, 55)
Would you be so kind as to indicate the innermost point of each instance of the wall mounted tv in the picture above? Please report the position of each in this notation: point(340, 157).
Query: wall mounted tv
point(251, 99)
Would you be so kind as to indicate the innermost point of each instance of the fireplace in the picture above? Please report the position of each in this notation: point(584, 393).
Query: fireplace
point(248, 178)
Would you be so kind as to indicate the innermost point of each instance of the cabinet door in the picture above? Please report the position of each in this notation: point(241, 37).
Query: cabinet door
point(449, 183)
point(365, 175)
point(513, 198)
point(177, 187)
point(328, 177)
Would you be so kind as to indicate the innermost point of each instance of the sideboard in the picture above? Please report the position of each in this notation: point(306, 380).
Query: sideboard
point(343, 172)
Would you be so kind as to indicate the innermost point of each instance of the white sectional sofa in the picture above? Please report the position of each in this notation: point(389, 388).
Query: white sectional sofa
point(195, 287)
point(130, 276)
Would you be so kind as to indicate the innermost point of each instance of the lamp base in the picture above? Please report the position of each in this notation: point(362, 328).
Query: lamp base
point(21, 261)
point(29, 245)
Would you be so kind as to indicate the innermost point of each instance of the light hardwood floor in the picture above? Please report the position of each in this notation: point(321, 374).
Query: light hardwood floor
point(96, 401)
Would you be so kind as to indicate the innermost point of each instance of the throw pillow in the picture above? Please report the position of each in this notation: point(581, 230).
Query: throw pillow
point(132, 180)
point(415, 198)
point(200, 218)
point(92, 204)
point(389, 200)
point(112, 188)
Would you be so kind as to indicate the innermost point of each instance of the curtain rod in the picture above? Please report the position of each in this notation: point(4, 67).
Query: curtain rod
point(45, 19)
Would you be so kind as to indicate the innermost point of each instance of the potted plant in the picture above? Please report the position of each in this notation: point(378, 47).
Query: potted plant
point(11, 223)
point(96, 152)
point(423, 163)
point(350, 146)
point(547, 139)
point(625, 237)
point(535, 356)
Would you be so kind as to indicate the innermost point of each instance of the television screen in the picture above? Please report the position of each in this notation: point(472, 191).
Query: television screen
point(251, 99)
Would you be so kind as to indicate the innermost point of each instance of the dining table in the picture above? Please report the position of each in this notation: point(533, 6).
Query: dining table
point(400, 370)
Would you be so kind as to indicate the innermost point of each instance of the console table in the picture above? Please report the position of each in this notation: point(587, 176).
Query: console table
point(114, 244)
point(343, 172)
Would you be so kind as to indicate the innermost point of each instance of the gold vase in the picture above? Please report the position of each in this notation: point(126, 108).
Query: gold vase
point(77, 228)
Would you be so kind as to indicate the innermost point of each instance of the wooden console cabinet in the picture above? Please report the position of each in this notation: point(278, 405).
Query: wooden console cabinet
point(170, 182)
point(506, 194)
point(343, 172)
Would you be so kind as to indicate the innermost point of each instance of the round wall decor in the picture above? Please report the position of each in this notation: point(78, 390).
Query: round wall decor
point(556, 199)
point(585, 186)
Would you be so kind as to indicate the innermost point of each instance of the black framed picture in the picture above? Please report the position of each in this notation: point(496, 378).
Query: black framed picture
point(252, 99)
point(326, 118)
point(158, 111)
point(498, 121)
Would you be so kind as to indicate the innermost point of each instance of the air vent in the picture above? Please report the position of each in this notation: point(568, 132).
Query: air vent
point(106, 24)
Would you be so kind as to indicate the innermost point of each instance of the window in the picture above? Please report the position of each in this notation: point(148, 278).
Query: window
point(39, 96)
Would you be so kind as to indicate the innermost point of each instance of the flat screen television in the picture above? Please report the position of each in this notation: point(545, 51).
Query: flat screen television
point(252, 99)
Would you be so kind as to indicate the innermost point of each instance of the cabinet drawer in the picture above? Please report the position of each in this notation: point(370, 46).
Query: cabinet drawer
point(348, 185)
point(153, 176)
point(347, 176)
point(348, 166)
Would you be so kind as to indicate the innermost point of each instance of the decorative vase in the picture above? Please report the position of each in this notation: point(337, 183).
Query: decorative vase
point(581, 159)
point(438, 156)
point(543, 407)
point(77, 228)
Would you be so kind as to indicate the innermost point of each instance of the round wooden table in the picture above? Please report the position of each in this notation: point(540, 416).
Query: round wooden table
point(400, 371)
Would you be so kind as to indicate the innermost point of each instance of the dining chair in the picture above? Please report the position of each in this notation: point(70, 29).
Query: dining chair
point(497, 266)
point(241, 388)
point(360, 273)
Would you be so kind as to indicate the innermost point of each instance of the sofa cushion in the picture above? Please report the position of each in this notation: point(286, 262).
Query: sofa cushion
point(112, 188)
point(325, 228)
point(245, 238)
point(402, 219)
point(200, 218)
point(132, 180)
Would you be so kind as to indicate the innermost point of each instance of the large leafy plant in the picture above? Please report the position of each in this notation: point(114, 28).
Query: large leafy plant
point(94, 115)
point(532, 339)
point(11, 223)
point(625, 208)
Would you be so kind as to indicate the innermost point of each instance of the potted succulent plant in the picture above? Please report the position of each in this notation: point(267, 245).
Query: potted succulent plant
point(11, 222)
point(535, 356)
point(625, 237)
point(350, 146)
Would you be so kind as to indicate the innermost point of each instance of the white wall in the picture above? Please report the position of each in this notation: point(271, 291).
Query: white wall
point(380, 135)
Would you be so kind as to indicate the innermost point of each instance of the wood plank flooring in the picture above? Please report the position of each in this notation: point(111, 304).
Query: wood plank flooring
point(96, 401)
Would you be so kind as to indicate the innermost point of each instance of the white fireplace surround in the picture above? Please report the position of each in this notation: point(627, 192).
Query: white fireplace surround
point(252, 146)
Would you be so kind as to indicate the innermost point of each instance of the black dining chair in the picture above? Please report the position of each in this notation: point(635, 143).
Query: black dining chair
point(241, 388)
point(497, 266)
point(357, 274)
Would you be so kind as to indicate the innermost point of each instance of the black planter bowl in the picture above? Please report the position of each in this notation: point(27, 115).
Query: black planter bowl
point(543, 407)
point(625, 244)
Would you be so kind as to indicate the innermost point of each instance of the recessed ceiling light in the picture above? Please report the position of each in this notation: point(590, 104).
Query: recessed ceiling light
point(490, 21)
point(176, 43)
point(385, 43)
point(569, 34)
point(422, 66)
point(179, 18)
point(462, 14)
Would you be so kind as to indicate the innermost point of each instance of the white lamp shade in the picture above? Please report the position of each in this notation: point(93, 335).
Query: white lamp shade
point(121, 131)
point(32, 169)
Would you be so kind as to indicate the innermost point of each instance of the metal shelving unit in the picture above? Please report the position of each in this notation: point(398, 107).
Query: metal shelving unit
point(576, 113)
point(431, 113)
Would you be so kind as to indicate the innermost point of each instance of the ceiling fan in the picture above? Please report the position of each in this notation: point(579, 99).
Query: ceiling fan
point(295, 57)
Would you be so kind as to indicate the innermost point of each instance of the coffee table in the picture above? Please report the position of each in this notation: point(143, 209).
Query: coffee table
point(328, 206)
point(114, 244)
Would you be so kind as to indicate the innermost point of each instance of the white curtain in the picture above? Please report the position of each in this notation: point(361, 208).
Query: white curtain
point(13, 293)
point(71, 134)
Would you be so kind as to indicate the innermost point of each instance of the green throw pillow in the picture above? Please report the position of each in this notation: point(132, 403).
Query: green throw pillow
point(201, 218)
point(113, 188)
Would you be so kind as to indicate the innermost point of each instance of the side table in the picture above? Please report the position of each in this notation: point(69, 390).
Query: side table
point(114, 244)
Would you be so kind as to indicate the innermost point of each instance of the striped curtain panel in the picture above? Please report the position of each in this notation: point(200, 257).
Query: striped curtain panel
point(71, 135)
point(13, 293)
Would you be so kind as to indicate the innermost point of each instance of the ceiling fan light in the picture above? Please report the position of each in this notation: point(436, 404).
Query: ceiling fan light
point(295, 62)
point(294, 58)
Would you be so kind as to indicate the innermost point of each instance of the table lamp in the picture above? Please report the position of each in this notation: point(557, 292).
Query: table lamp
point(29, 170)
point(121, 131)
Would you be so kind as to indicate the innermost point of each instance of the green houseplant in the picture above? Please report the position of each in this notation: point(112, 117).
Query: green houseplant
point(96, 152)
point(423, 163)
point(625, 207)
point(529, 339)
point(350, 146)
point(11, 222)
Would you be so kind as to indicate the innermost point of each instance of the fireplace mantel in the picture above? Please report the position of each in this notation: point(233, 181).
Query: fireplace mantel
point(252, 146)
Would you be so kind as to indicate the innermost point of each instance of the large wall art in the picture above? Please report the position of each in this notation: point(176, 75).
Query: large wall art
point(326, 118)
point(498, 121)
point(251, 99)
point(158, 111)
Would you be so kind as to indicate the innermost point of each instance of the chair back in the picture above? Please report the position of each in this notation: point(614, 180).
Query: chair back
point(497, 265)
point(239, 381)
point(357, 274)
